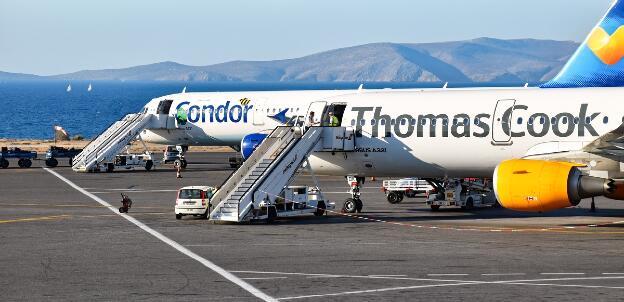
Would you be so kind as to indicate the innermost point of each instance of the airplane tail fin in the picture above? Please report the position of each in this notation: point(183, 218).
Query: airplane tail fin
point(598, 61)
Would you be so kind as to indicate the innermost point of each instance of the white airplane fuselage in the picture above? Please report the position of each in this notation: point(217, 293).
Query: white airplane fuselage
point(414, 132)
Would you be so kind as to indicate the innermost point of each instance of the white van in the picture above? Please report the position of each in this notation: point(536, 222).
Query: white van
point(194, 200)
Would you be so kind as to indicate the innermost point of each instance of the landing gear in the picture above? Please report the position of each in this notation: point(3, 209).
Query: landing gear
point(354, 204)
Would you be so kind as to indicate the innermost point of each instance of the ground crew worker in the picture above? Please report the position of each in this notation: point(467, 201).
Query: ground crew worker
point(179, 171)
point(333, 120)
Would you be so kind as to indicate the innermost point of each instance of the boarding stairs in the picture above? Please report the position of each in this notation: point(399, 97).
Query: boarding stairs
point(265, 174)
point(110, 142)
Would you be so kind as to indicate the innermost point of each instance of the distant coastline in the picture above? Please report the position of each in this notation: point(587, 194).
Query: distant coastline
point(482, 60)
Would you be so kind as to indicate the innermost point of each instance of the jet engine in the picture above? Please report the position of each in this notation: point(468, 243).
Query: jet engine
point(539, 186)
point(250, 142)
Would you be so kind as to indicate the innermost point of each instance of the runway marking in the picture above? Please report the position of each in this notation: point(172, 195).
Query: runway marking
point(613, 273)
point(467, 282)
point(207, 263)
point(505, 274)
point(387, 276)
point(265, 278)
point(440, 275)
point(562, 273)
point(57, 217)
point(67, 206)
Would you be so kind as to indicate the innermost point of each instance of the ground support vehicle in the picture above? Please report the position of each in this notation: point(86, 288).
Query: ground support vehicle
point(397, 189)
point(465, 194)
point(24, 157)
point(175, 155)
point(52, 155)
point(194, 200)
point(294, 201)
point(127, 161)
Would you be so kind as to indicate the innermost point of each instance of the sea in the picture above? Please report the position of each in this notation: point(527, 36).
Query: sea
point(30, 109)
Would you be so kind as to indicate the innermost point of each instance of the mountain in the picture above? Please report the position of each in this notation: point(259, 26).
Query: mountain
point(6, 76)
point(477, 60)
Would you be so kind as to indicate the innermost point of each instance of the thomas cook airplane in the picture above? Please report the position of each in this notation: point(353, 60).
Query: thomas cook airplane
point(545, 148)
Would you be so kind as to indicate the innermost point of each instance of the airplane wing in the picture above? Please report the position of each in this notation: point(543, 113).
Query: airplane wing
point(610, 145)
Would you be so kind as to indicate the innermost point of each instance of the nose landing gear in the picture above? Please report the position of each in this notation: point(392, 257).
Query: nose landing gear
point(354, 204)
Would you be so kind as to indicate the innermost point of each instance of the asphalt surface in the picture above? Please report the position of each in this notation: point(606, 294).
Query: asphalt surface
point(58, 243)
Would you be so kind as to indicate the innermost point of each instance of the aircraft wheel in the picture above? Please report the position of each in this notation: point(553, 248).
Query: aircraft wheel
point(320, 209)
point(178, 216)
point(20, 163)
point(469, 204)
point(51, 162)
point(148, 165)
point(349, 206)
point(393, 198)
point(4, 163)
point(359, 205)
point(435, 207)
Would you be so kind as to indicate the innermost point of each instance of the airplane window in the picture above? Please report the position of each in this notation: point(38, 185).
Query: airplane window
point(576, 120)
point(564, 120)
point(403, 121)
point(519, 121)
point(605, 119)
point(455, 121)
point(433, 122)
point(382, 121)
point(423, 122)
point(588, 120)
point(530, 121)
point(542, 120)
point(292, 109)
point(392, 122)
point(363, 122)
point(476, 121)
point(413, 121)
point(352, 122)
point(466, 121)
point(444, 121)
point(553, 120)
point(373, 122)
point(273, 110)
point(297, 109)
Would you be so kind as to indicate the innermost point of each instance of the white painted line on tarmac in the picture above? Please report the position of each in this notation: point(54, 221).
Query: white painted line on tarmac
point(505, 274)
point(562, 273)
point(207, 263)
point(613, 273)
point(134, 191)
point(437, 275)
point(264, 278)
point(381, 276)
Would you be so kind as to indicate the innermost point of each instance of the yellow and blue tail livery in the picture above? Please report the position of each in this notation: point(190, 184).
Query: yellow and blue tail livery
point(598, 61)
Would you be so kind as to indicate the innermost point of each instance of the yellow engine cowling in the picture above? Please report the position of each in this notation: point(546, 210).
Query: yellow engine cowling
point(539, 186)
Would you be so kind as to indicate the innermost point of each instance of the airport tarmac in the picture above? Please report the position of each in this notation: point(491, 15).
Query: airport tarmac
point(60, 241)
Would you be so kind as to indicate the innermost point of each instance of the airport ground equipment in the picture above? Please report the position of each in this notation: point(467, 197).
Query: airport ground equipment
point(397, 189)
point(294, 201)
point(24, 157)
point(127, 161)
point(54, 153)
point(175, 155)
point(194, 200)
point(262, 178)
point(110, 142)
point(465, 194)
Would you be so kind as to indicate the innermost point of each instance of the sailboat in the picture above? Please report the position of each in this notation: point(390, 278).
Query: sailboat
point(69, 88)
point(89, 88)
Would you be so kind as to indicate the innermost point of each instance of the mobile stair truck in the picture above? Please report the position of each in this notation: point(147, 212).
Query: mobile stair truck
point(259, 189)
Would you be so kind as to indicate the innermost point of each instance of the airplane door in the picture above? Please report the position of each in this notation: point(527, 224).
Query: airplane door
point(259, 113)
point(501, 126)
point(318, 108)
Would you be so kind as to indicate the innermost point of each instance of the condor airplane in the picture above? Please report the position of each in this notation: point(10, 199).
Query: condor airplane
point(545, 148)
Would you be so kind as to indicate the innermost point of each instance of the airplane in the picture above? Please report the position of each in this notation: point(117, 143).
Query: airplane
point(545, 148)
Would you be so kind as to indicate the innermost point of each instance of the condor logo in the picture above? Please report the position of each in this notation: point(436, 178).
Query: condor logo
point(608, 48)
point(212, 114)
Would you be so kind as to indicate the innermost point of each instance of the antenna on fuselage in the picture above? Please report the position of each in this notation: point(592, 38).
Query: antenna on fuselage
point(184, 89)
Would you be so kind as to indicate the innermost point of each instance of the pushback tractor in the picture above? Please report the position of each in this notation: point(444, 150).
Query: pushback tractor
point(24, 157)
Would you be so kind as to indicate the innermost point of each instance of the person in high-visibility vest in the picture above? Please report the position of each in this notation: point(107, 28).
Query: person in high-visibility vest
point(333, 120)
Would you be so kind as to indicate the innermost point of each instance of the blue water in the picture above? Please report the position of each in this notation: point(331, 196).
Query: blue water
point(30, 109)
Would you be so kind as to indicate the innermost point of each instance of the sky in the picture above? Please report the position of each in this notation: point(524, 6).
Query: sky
point(51, 37)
